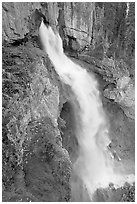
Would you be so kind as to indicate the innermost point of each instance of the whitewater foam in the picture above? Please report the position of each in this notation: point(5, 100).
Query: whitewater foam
point(94, 165)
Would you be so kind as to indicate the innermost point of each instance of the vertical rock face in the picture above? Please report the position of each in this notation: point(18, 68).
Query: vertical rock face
point(78, 19)
point(52, 13)
point(72, 19)
point(15, 19)
point(32, 144)
point(107, 26)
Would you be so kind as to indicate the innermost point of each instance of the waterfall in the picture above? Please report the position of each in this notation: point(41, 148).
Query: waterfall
point(94, 165)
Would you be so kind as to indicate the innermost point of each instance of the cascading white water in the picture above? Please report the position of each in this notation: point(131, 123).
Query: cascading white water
point(94, 165)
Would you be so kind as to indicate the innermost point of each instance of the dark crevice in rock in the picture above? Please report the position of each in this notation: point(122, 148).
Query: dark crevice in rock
point(68, 131)
point(19, 41)
point(78, 30)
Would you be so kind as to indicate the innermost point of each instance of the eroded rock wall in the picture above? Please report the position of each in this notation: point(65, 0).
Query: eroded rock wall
point(72, 19)
point(36, 167)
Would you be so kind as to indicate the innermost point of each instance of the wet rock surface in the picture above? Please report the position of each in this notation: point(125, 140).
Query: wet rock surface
point(124, 194)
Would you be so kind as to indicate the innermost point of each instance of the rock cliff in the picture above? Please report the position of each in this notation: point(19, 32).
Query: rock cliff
point(74, 20)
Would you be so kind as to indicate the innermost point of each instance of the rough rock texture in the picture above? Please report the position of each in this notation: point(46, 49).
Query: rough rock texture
point(120, 83)
point(116, 195)
point(78, 21)
point(15, 19)
point(47, 165)
point(122, 135)
point(74, 20)
point(32, 144)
